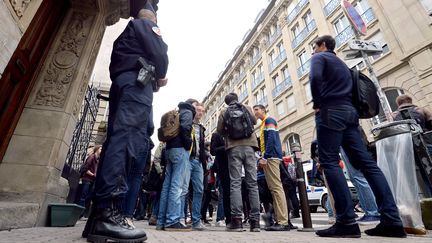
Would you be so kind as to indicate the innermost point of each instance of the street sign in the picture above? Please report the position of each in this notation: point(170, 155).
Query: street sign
point(367, 46)
point(354, 17)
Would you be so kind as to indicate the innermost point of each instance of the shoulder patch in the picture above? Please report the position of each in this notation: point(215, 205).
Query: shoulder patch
point(157, 31)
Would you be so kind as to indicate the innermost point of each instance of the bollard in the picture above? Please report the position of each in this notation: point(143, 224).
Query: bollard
point(304, 202)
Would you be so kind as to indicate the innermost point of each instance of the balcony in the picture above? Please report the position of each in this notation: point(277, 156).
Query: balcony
point(368, 16)
point(344, 36)
point(255, 59)
point(273, 37)
point(280, 58)
point(263, 101)
point(243, 95)
point(296, 11)
point(239, 77)
point(280, 88)
point(303, 69)
point(311, 26)
point(331, 7)
point(258, 81)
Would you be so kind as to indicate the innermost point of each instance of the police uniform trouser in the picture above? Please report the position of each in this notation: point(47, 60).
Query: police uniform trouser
point(127, 137)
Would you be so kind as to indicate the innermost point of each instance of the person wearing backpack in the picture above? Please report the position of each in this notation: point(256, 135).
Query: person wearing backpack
point(337, 122)
point(177, 151)
point(421, 115)
point(236, 124)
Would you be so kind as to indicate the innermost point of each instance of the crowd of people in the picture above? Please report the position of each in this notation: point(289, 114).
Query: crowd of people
point(242, 170)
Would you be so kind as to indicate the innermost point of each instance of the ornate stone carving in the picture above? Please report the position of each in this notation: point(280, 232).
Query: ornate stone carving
point(117, 9)
point(61, 69)
point(19, 6)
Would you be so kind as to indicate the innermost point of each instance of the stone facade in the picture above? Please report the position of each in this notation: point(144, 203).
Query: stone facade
point(282, 37)
point(30, 171)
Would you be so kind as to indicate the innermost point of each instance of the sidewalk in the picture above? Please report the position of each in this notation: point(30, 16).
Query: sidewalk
point(214, 235)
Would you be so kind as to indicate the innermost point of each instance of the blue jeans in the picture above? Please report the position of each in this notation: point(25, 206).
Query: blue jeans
point(365, 193)
point(220, 215)
point(338, 126)
point(196, 177)
point(86, 192)
point(170, 205)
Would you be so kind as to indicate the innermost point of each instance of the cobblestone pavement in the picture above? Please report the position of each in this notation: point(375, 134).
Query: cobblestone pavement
point(213, 234)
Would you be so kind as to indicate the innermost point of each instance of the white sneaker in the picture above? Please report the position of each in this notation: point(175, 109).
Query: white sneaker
point(220, 223)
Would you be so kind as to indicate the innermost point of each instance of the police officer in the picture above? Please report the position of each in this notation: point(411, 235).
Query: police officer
point(127, 141)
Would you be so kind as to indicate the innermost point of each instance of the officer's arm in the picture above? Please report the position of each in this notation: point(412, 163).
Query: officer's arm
point(315, 77)
point(153, 45)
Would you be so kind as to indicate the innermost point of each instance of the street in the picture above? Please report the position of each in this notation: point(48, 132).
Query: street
point(213, 234)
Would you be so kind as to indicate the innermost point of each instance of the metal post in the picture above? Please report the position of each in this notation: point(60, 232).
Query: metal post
point(383, 99)
point(304, 202)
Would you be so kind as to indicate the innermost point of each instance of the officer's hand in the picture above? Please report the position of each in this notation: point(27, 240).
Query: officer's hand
point(162, 82)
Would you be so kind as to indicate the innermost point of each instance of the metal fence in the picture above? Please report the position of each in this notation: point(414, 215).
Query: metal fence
point(82, 136)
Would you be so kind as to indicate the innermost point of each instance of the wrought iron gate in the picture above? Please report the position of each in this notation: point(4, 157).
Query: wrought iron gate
point(82, 135)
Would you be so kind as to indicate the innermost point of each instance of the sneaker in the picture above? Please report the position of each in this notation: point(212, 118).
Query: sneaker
point(152, 220)
point(387, 231)
point(339, 230)
point(178, 227)
point(220, 223)
point(198, 227)
point(206, 222)
point(367, 220)
point(291, 226)
point(160, 227)
point(331, 220)
point(278, 227)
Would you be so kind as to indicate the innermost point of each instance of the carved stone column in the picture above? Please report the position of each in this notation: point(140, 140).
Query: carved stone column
point(32, 166)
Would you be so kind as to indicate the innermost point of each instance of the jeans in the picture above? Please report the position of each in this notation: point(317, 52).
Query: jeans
point(155, 208)
point(170, 205)
point(366, 196)
point(86, 192)
point(338, 126)
point(196, 177)
point(220, 208)
point(238, 156)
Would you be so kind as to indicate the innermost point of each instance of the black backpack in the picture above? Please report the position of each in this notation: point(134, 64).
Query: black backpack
point(237, 121)
point(364, 96)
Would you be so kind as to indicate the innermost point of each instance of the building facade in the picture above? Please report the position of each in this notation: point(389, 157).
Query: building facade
point(48, 50)
point(271, 66)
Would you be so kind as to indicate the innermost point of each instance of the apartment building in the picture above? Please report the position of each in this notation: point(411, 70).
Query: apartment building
point(271, 66)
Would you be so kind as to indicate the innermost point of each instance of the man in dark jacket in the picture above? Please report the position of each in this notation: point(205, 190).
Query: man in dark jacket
point(127, 139)
point(337, 124)
point(177, 150)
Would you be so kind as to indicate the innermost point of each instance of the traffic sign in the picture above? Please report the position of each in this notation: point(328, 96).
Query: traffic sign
point(354, 17)
point(367, 46)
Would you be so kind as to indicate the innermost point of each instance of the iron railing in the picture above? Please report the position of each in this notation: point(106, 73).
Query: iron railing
point(256, 82)
point(330, 7)
point(303, 69)
point(311, 26)
point(296, 11)
point(281, 87)
point(281, 57)
point(344, 36)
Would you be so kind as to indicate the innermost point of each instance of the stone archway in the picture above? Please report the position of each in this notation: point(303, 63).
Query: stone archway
point(30, 172)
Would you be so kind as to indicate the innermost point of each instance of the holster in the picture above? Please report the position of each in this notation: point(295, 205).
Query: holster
point(146, 72)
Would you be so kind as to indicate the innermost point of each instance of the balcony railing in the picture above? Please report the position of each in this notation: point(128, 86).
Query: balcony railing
point(263, 101)
point(273, 37)
point(239, 77)
point(280, 88)
point(255, 59)
point(303, 69)
point(330, 7)
point(282, 56)
point(243, 95)
point(344, 36)
point(368, 16)
point(311, 26)
point(296, 11)
point(256, 82)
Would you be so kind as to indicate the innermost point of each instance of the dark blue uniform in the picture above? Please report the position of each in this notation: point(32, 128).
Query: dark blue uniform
point(129, 109)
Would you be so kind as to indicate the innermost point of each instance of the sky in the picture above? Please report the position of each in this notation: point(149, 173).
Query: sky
point(201, 38)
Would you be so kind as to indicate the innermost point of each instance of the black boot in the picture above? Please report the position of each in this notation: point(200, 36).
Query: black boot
point(109, 224)
point(291, 226)
point(254, 226)
point(89, 224)
point(339, 230)
point(236, 225)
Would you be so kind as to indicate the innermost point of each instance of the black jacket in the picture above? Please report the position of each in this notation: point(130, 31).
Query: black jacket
point(217, 149)
point(184, 139)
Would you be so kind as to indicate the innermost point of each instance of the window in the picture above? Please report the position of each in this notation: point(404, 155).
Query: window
point(291, 103)
point(308, 92)
point(362, 6)
point(293, 138)
point(254, 76)
point(303, 57)
point(296, 30)
point(379, 37)
point(285, 72)
point(261, 69)
point(280, 109)
point(280, 48)
point(255, 51)
point(259, 96)
point(427, 4)
point(291, 6)
point(341, 24)
point(391, 94)
point(307, 18)
point(276, 80)
point(272, 56)
point(241, 68)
